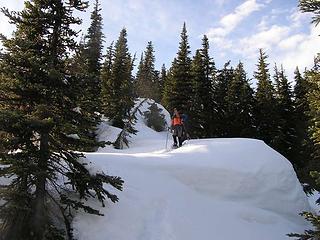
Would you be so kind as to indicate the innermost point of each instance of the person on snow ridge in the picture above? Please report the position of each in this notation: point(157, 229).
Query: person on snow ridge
point(176, 128)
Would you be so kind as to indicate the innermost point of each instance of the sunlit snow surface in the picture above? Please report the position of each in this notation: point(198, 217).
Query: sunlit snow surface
point(211, 189)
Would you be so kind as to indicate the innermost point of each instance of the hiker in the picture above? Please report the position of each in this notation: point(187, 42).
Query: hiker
point(185, 126)
point(176, 128)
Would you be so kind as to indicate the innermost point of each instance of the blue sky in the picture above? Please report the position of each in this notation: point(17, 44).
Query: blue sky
point(236, 29)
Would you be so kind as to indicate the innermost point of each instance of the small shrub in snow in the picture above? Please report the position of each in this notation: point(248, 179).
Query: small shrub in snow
point(154, 118)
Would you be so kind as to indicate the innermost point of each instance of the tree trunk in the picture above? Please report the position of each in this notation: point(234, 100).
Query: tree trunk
point(40, 219)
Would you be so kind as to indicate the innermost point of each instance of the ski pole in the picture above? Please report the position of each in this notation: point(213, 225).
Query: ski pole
point(167, 138)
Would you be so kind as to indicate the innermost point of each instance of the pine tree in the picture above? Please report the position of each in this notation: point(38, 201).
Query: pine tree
point(301, 110)
point(197, 129)
point(37, 118)
point(147, 79)
point(286, 138)
point(118, 87)
point(163, 76)
point(91, 57)
point(180, 76)
point(168, 87)
point(139, 77)
point(312, 6)
point(313, 77)
point(105, 76)
point(86, 66)
point(203, 72)
point(265, 112)
point(240, 105)
point(221, 85)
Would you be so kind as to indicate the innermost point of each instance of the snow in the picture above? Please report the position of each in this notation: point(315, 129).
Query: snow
point(77, 110)
point(73, 136)
point(208, 189)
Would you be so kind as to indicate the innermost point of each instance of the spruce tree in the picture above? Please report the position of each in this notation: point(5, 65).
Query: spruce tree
point(118, 86)
point(286, 139)
point(86, 66)
point(105, 77)
point(240, 105)
point(147, 79)
point(313, 77)
point(197, 113)
point(221, 85)
point(163, 76)
point(91, 56)
point(168, 87)
point(203, 72)
point(206, 92)
point(40, 126)
point(180, 96)
point(301, 110)
point(139, 77)
point(266, 111)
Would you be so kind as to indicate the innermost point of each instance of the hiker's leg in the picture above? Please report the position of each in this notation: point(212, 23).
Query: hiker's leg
point(175, 143)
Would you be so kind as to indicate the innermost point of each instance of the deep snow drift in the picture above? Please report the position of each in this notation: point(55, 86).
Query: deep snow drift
point(222, 189)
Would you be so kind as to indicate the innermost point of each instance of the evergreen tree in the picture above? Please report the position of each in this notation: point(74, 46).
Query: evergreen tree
point(265, 112)
point(91, 56)
point(312, 6)
point(40, 125)
point(286, 139)
point(154, 117)
point(163, 76)
point(206, 92)
point(139, 76)
point(197, 129)
point(221, 85)
point(147, 80)
point(240, 105)
point(105, 76)
point(168, 87)
point(181, 85)
point(118, 87)
point(203, 72)
point(86, 66)
point(301, 110)
point(313, 77)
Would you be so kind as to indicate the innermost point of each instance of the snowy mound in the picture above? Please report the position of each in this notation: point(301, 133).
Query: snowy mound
point(222, 189)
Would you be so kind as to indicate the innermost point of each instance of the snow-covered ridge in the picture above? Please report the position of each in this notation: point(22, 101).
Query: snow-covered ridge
point(222, 189)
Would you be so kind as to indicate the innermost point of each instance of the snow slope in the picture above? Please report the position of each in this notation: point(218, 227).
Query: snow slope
point(222, 189)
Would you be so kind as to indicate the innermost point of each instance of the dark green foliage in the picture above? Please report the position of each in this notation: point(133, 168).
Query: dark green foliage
point(117, 82)
point(163, 77)
point(168, 88)
point(266, 110)
point(313, 78)
point(240, 105)
point(179, 84)
point(313, 218)
point(147, 83)
point(154, 118)
point(221, 85)
point(303, 145)
point(37, 121)
point(197, 111)
point(128, 128)
point(312, 6)
point(312, 88)
point(86, 66)
point(286, 137)
point(202, 72)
